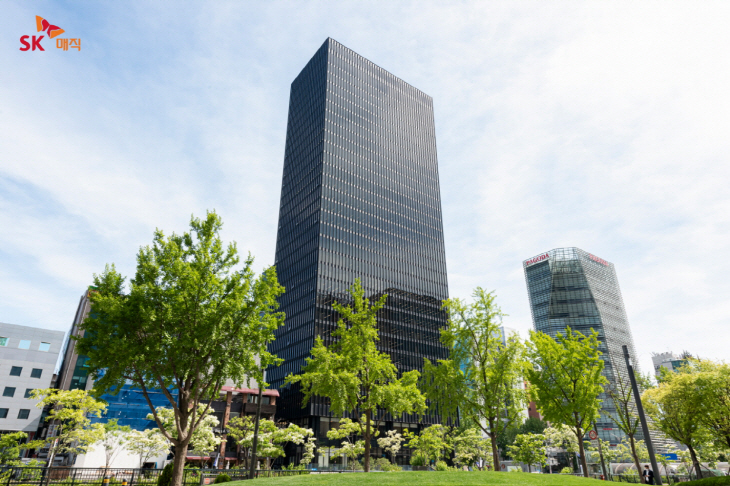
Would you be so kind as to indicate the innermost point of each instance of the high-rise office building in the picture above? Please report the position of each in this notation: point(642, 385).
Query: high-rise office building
point(569, 287)
point(360, 199)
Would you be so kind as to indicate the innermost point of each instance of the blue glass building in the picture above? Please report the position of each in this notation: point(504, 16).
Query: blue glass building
point(569, 287)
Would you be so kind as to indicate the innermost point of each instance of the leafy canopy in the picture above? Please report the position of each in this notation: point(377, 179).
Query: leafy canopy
point(190, 320)
point(354, 375)
point(482, 380)
point(529, 448)
point(72, 410)
point(566, 380)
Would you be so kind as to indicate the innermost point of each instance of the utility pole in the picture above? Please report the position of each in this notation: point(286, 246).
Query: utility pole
point(642, 417)
point(252, 467)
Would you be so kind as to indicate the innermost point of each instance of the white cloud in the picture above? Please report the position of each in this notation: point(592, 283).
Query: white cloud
point(595, 125)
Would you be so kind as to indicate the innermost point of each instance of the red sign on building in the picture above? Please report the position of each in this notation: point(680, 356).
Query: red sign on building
point(537, 259)
point(598, 260)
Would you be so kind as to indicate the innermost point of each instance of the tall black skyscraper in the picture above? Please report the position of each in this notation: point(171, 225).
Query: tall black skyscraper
point(360, 198)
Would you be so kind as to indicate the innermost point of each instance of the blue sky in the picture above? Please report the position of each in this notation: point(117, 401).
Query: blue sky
point(597, 125)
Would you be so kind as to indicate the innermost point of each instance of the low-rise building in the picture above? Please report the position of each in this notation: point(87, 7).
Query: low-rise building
point(668, 361)
point(28, 357)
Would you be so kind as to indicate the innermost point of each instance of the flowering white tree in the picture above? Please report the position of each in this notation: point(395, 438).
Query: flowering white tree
point(114, 439)
point(271, 438)
point(147, 444)
point(348, 430)
point(391, 443)
point(203, 441)
point(309, 447)
point(469, 446)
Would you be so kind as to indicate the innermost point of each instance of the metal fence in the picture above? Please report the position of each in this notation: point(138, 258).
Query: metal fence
point(81, 476)
point(670, 479)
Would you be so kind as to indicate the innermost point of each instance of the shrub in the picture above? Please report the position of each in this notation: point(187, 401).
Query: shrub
point(166, 477)
point(222, 478)
point(566, 470)
point(418, 460)
point(384, 465)
point(715, 481)
point(442, 466)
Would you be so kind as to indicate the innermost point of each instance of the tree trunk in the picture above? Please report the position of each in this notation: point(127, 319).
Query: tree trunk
point(178, 464)
point(495, 452)
point(635, 456)
point(366, 462)
point(583, 462)
point(695, 462)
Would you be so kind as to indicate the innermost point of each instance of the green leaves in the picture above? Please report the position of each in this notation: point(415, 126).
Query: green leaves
point(482, 379)
point(354, 375)
point(692, 406)
point(72, 410)
point(190, 320)
point(529, 448)
point(566, 379)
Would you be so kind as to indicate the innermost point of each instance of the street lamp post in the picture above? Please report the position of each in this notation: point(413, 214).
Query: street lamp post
point(642, 418)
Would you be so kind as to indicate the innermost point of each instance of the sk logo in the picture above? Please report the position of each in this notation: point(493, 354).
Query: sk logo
point(42, 25)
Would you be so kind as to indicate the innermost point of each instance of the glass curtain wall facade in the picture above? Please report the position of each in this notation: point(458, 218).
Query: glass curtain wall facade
point(360, 198)
point(569, 287)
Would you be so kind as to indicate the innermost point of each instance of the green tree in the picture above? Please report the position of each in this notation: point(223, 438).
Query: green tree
point(677, 410)
point(147, 444)
point(348, 431)
point(713, 383)
point(203, 439)
point(529, 449)
point(507, 436)
point(562, 436)
point(190, 321)
point(483, 378)
point(566, 380)
point(354, 375)
point(11, 444)
point(622, 394)
point(70, 412)
point(113, 440)
point(432, 443)
point(610, 454)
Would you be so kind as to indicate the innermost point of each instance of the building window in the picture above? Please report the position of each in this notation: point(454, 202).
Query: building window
point(44, 347)
point(23, 413)
point(24, 344)
point(15, 370)
point(3, 413)
point(28, 392)
point(36, 373)
point(9, 391)
point(3, 341)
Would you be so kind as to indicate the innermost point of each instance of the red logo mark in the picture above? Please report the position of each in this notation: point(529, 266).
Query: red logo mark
point(44, 26)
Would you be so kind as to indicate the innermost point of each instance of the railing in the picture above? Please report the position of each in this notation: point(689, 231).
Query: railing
point(83, 476)
point(666, 479)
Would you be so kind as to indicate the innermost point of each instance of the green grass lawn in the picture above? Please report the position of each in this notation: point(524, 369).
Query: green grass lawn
point(420, 478)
